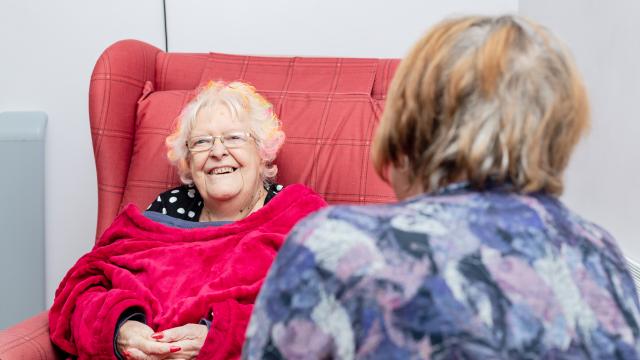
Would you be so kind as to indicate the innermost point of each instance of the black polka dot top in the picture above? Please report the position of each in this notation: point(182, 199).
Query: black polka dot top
point(184, 202)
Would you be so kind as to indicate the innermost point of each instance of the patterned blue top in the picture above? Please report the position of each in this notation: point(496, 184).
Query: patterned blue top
point(457, 274)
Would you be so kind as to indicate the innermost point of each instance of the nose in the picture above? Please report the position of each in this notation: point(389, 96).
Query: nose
point(218, 150)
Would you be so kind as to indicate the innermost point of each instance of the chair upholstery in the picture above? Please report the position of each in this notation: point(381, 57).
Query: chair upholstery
point(329, 108)
point(28, 340)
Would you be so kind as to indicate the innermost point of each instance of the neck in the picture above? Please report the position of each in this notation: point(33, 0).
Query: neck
point(233, 210)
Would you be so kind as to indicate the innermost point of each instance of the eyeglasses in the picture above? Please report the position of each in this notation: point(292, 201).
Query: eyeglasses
point(230, 141)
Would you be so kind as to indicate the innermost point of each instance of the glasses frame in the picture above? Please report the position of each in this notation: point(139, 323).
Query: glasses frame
point(221, 137)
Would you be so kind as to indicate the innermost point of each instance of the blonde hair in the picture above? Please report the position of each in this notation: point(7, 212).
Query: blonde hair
point(485, 99)
point(243, 102)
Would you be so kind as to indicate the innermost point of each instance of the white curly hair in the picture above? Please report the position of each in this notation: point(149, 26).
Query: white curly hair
point(243, 101)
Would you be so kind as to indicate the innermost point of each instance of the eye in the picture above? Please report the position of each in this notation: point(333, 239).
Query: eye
point(197, 142)
point(234, 137)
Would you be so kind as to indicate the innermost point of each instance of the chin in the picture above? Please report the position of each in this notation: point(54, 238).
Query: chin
point(222, 195)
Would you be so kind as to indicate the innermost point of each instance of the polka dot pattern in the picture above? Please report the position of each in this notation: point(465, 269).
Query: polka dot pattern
point(184, 202)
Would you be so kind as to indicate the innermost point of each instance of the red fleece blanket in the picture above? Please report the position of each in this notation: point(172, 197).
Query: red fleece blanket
point(175, 276)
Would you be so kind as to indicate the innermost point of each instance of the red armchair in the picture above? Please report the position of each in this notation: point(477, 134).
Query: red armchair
point(329, 108)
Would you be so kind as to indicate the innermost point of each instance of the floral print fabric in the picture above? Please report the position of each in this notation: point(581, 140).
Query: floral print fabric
point(458, 274)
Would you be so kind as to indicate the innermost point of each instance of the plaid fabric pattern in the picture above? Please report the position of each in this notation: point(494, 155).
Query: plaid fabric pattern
point(28, 340)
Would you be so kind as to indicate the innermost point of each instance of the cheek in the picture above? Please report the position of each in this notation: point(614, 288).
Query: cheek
point(250, 160)
point(195, 164)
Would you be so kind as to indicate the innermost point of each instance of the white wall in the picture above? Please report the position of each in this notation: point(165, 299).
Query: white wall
point(48, 52)
point(603, 179)
point(352, 28)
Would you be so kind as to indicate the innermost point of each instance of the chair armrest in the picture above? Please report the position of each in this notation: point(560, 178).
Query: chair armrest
point(28, 340)
point(117, 83)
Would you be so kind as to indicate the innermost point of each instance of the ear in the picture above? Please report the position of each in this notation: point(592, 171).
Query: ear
point(402, 168)
point(401, 180)
point(404, 163)
point(184, 167)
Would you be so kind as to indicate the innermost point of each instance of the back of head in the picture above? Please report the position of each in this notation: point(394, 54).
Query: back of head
point(484, 99)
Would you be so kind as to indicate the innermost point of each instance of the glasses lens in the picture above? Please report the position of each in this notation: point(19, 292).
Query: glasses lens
point(200, 143)
point(233, 140)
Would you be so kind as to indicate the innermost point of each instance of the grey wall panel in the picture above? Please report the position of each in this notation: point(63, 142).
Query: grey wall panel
point(21, 215)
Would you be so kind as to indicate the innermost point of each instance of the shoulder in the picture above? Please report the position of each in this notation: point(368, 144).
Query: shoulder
point(295, 197)
point(275, 188)
point(404, 228)
point(583, 233)
point(272, 191)
point(588, 238)
point(292, 189)
point(336, 241)
point(333, 230)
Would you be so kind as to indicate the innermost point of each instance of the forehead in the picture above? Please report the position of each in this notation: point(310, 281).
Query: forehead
point(217, 117)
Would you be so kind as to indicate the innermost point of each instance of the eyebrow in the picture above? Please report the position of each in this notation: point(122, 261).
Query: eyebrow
point(206, 133)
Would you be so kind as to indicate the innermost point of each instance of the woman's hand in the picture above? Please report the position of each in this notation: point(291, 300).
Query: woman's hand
point(135, 342)
point(189, 338)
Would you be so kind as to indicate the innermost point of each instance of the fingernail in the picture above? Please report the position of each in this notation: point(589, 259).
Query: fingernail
point(157, 335)
point(126, 354)
point(175, 349)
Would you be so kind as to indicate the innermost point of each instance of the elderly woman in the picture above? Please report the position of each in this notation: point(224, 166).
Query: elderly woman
point(180, 280)
point(227, 181)
point(479, 259)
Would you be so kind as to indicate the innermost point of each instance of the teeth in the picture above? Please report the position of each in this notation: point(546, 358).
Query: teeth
point(222, 170)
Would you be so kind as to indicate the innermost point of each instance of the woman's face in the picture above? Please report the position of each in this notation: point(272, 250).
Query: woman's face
point(222, 174)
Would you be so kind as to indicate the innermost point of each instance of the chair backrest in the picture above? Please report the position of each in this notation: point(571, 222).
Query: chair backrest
point(329, 108)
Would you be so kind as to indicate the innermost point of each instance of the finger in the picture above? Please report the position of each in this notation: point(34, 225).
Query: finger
point(156, 348)
point(188, 345)
point(131, 334)
point(189, 349)
point(185, 332)
point(182, 355)
point(179, 356)
point(170, 335)
point(135, 354)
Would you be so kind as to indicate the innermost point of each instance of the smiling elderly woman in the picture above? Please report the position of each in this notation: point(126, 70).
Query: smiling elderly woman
point(479, 259)
point(228, 175)
point(179, 281)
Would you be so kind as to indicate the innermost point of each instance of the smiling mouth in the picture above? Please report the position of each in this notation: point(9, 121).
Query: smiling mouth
point(222, 170)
